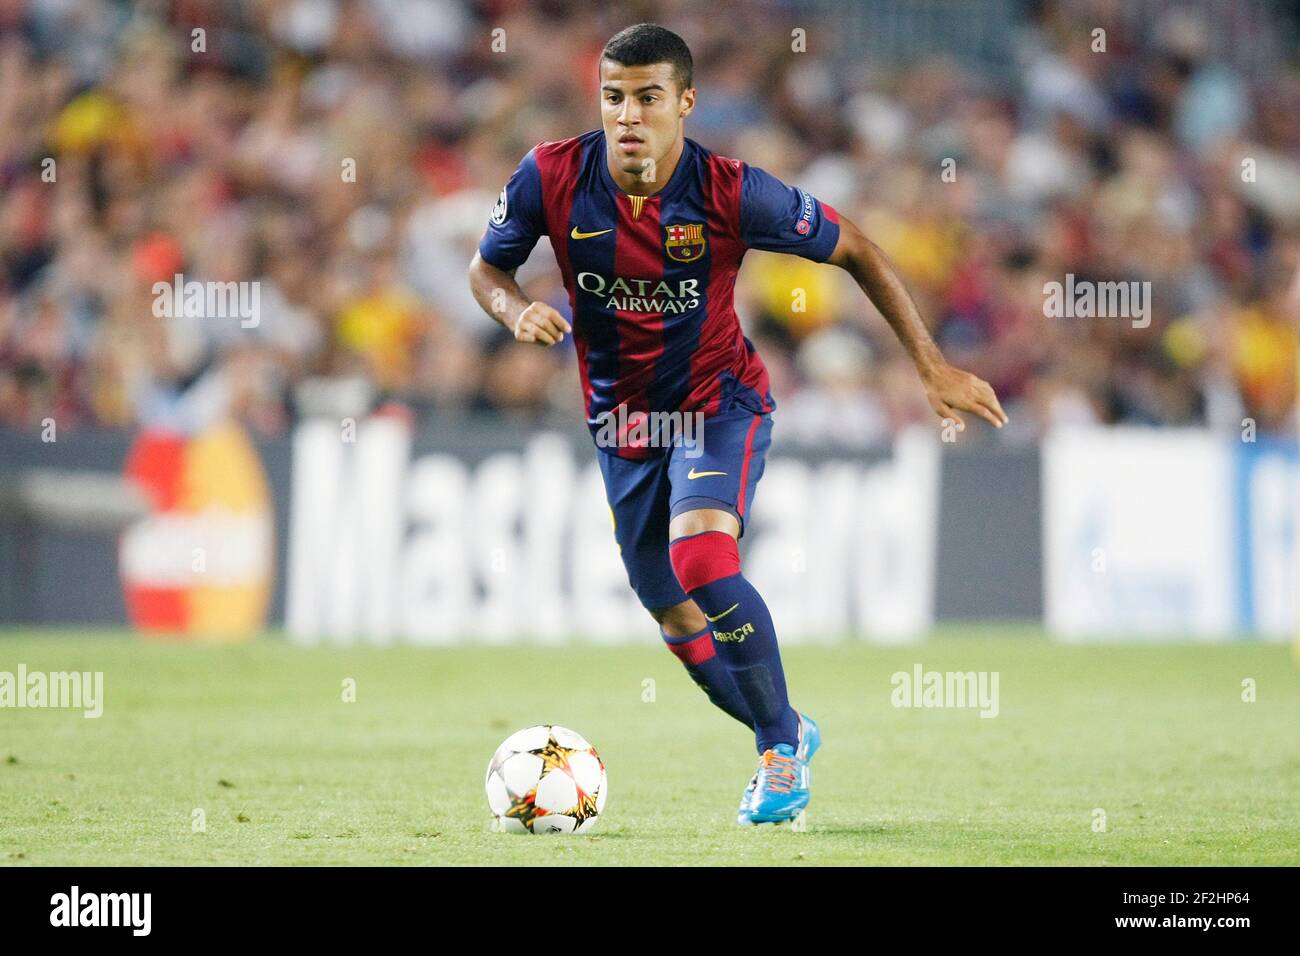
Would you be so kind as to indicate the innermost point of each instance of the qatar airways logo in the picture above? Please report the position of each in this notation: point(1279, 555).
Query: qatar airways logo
point(643, 295)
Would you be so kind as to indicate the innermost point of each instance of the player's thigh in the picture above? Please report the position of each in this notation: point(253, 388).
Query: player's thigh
point(721, 471)
point(638, 494)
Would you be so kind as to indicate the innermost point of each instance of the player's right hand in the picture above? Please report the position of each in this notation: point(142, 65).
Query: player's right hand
point(540, 324)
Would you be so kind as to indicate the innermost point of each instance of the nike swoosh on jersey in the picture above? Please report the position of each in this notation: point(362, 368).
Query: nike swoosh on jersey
point(693, 474)
point(718, 617)
point(587, 235)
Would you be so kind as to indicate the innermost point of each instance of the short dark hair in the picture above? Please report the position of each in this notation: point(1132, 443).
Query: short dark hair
point(647, 43)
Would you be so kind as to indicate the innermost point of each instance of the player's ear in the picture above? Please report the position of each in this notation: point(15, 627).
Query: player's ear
point(687, 102)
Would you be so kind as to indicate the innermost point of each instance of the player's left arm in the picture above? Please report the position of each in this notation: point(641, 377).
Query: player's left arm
point(948, 388)
point(779, 218)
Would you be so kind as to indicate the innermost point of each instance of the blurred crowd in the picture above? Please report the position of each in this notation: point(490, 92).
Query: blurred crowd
point(345, 155)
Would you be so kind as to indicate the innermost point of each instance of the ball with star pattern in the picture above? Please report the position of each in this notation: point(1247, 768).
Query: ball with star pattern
point(546, 779)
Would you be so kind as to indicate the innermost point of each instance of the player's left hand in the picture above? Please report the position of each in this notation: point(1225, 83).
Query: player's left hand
point(949, 388)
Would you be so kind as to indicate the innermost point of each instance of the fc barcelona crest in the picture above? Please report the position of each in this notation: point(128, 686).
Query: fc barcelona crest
point(684, 243)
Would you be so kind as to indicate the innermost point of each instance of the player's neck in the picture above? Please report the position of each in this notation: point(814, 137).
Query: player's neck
point(634, 185)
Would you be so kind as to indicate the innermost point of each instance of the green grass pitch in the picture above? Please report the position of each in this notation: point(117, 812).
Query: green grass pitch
point(259, 739)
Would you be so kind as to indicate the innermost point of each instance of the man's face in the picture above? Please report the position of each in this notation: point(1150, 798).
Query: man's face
point(642, 112)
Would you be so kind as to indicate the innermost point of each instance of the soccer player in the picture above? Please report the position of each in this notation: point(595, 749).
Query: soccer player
point(649, 229)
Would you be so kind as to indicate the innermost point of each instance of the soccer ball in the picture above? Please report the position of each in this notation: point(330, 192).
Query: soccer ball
point(546, 779)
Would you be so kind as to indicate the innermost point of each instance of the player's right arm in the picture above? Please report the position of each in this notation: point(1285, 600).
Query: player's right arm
point(516, 223)
point(499, 295)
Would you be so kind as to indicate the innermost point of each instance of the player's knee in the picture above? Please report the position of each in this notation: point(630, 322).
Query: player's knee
point(700, 520)
point(680, 620)
point(701, 559)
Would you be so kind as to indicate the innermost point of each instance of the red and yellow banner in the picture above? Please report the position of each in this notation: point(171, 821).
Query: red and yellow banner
point(201, 564)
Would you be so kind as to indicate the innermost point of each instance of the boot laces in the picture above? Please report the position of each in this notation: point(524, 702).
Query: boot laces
point(777, 773)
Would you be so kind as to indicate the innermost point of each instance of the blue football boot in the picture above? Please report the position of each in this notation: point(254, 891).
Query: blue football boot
point(781, 788)
point(742, 815)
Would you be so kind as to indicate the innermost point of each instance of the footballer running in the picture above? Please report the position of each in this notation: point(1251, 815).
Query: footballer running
point(649, 229)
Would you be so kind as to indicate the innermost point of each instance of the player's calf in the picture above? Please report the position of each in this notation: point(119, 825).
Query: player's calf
point(707, 566)
point(688, 636)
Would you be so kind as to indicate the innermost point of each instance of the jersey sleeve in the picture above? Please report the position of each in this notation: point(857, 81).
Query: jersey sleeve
point(517, 221)
point(775, 217)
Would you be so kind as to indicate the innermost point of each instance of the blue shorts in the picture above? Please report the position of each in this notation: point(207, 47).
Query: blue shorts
point(720, 471)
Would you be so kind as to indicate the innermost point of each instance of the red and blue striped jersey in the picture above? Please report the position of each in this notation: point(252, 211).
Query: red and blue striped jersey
point(651, 280)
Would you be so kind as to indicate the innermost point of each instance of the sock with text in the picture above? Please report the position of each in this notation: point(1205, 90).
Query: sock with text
point(707, 566)
point(709, 671)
